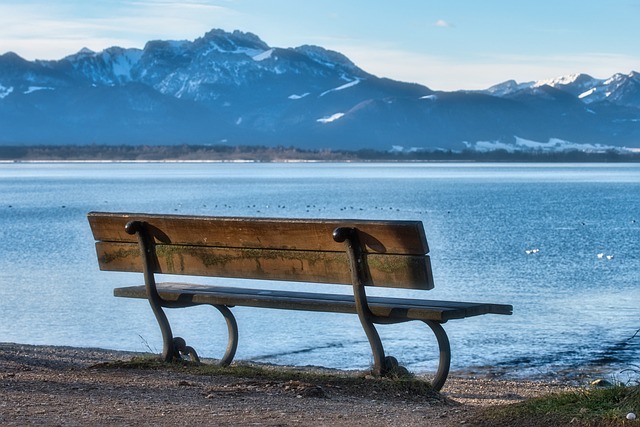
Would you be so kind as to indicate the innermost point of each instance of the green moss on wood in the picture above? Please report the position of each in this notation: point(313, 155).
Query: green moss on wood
point(109, 257)
point(395, 264)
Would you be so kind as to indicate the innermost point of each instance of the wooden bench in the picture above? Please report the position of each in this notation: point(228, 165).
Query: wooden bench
point(359, 253)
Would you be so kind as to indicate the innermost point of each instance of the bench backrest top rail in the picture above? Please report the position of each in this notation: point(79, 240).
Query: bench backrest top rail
point(392, 237)
point(301, 250)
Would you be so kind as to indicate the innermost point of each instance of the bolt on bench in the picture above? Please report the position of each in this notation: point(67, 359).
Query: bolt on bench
point(359, 253)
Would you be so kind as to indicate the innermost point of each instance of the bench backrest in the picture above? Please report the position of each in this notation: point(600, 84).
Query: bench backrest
point(300, 250)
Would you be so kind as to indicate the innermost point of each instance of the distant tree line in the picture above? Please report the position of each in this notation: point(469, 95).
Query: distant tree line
point(281, 154)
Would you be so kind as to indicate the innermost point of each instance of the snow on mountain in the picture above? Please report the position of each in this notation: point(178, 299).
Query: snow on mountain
point(553, 145)
point(587, 93)
point(32, 89)
point(299, 96)
point(261, 56)
point(331, 118)
point(5, 91)
point(621, 89)
point(508, 87)
point(342, 87)
point(573, 83)
point(556, 144)
point(123, 63)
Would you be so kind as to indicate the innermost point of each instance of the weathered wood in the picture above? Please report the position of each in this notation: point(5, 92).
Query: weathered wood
point(402, 271)
point(395, 308)
point(390, 237)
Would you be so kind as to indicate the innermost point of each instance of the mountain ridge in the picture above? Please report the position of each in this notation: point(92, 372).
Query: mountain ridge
point(233, 88)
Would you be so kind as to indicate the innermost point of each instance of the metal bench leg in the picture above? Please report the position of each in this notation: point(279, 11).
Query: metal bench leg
point(182, 349)
point(169, 351)
point(445, 354)
point(176, 347)
point(360, 278)
point(232, 327)
point(172, 347)
point(379, 360)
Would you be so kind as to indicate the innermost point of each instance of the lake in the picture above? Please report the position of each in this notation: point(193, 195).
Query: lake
point(560, 242)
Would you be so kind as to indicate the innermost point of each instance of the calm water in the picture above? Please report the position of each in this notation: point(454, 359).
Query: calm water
point(573, 311)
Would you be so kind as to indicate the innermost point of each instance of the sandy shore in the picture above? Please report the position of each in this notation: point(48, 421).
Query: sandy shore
point(68, 387)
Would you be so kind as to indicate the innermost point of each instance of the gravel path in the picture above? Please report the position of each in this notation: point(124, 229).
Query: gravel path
point(65, 386)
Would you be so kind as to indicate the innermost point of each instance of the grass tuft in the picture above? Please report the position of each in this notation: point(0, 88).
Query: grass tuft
point(590, 407)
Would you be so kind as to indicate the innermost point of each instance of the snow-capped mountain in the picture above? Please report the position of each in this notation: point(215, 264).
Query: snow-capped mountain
point(620, 89)
point(233, 88)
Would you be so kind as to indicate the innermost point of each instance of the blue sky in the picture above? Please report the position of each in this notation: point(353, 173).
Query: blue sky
point(443, 44)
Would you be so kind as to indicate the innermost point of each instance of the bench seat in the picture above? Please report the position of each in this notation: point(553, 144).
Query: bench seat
point(387, 307)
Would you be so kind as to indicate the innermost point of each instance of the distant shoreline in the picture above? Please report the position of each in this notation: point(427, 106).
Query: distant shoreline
point(263, 154)
point(149, 161)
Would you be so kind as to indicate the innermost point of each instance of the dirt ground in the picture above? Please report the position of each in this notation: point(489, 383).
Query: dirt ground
point(62, 386)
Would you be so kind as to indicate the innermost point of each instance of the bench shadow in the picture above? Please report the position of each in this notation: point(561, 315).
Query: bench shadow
point(158, 234)
point(370, 242)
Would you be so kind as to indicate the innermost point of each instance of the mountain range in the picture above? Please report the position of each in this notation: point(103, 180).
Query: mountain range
point(232, 88)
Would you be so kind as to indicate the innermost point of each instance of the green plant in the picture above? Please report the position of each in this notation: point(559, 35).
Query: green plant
point(589, 407)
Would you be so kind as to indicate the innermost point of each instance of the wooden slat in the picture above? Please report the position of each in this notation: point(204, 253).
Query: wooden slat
point(392, 237)
point(401, 308)
point(405, 271)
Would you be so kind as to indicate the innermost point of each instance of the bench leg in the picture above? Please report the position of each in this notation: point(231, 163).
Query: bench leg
point(176, 347)
point(169, 343)
point(379, 361)
point(232, 327)
point(360, 278)
point(445, 354)
point(389, 364)
point(173, 347)
point(382, 365)
point(182, 349)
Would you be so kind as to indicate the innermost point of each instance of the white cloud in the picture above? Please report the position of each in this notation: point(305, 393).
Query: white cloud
point(442, 23)
point(480, 71)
